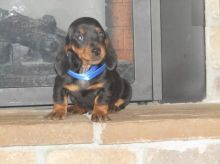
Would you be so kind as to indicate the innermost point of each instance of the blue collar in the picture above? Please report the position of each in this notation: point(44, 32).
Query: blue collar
point(93, 72)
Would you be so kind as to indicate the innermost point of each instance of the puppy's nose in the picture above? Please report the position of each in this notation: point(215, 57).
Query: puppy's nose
point(96, 51)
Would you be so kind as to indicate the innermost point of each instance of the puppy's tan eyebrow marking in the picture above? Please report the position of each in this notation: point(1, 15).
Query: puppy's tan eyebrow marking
point(97, 29)
point(82, 30)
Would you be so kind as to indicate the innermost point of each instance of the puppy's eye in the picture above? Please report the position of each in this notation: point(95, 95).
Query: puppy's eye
point(80, 37)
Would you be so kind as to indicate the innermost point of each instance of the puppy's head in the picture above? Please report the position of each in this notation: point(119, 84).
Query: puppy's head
point(88, 40)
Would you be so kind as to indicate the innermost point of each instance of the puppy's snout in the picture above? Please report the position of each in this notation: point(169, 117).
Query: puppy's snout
point(96, 51)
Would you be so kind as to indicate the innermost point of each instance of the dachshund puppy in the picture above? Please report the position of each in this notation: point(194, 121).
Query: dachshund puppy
point(86, 73)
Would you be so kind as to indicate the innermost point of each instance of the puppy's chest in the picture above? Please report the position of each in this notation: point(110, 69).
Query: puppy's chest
point(83, 85)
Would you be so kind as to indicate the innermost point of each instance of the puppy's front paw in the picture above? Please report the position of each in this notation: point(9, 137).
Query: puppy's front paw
point(56, 115)
point(100, 113)
point(59, 112)
point(97, 117)
point(114, 109)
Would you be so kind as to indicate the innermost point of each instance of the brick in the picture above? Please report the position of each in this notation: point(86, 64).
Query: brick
point(213, 45)
point(17, 157)
point(121, 15)
point(137, 123)
point(19, 127)
point(145, 125)
point(217, 86)
point(127, 1)
point(117, 38)
point(119, 24)
point(215, 37)
point(116, 1)
point(122, 42)
point(212, 13)
point(202, 154)
point(91, 156)
point(43, 134)
point(125, 55)
point(128, 39)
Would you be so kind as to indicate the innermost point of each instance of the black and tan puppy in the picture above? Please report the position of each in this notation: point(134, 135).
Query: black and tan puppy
point(86, 73)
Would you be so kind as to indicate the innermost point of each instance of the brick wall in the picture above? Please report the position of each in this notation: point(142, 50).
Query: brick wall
point(141, 134)
point(119, 24)
point(196, 152)
point(213, 49)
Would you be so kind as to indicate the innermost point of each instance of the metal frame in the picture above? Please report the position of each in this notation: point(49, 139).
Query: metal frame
point(147, 49)
point(147, 85)
point(26, 96)
point(156, 49)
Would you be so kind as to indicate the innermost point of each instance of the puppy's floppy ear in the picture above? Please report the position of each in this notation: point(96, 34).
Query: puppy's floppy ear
point(60, 65)
point(111, 57)
point(66, 61)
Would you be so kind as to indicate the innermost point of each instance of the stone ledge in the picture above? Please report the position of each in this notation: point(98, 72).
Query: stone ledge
point(29, 127)
point(163, 122)
point(135, 124)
